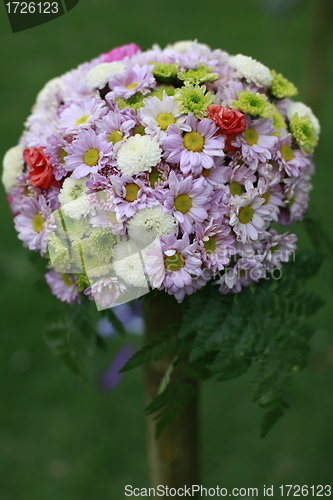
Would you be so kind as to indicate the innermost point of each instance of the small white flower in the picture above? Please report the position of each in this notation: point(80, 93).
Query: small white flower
point(186, 45)
point(252, 70)
point(73, 198)
point(52, 86)
point(138, 154)
point(128, 264)
point(150, 223)
point(13, 165)
point(303, 110)
point(99, 75)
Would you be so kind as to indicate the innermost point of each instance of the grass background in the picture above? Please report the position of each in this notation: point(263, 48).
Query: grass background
point(61, 438)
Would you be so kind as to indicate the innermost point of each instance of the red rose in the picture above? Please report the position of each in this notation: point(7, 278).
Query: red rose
point(41, 172)
point(228, 120)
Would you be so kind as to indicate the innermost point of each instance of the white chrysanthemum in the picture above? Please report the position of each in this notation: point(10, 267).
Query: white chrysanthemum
point(303, 110)
point(138, 154)
point(250, 69)
point(128, 264)
point(51, 86)
point(150, 223)
point(74, 201)
point(12, 167)
point(186, 45)
point(99, 75)
point(156, 115)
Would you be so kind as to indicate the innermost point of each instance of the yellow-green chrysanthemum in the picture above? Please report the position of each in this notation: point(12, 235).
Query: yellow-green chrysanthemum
point(253, 104)
point(281, 87)
point(304, 133)
point(199, 75)
point(193, 99)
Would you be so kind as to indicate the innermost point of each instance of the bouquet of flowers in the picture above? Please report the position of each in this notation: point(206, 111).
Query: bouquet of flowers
point(172, 170)
point(194, 149)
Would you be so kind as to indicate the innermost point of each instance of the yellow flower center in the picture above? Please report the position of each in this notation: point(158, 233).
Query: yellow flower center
point(236, 188)
point(174, 262)
point(38, 223)
point(91, 157)
point(154, 177)
point(287, 153)
point(251, 137)
point(193, 141)
point(266, 197)
point(63, 154)
point(67, 280)
point(139, 129)
point(132, 192)
point(165, 119)
point(245, 214)
point(210, 244)
point(132, 86)
point(206, 172)
point(115, 136)
point(183, 203)
point(82, 120)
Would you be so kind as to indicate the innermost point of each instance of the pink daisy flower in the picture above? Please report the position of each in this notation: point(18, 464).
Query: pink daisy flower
point(279, 248)
point(187, 200)
point(215, 244)
point(248, 216)
point(296, 194)
point(63, 286)
point(132, 195)
point(56, 151)
point(80, 114)
point(218, 174)
point(290, 159)
point(219, 203)
point(196, 149)
point(106, 211)
point(173, 265)
point(237, 176)
point(136, 79)
point(243, 273)
point(33, 223)
point(116, 126)
point(257, 142)
point(88, 154)
point(106, 291)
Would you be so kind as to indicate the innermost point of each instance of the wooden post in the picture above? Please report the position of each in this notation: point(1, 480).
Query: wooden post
point(173, 458)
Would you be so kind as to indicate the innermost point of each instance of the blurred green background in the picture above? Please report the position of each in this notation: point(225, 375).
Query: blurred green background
point(61, 438)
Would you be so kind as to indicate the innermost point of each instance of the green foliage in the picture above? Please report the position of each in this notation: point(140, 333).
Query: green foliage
point(162, 346)
point(73, 337)
point(264, 328)
point(170, 402)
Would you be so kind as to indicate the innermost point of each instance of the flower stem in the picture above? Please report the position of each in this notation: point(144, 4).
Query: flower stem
point(173, 457)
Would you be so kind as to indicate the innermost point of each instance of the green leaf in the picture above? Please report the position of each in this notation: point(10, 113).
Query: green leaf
point(167, 405)
point(166, 378)
point(72, 337)
point(162, 346)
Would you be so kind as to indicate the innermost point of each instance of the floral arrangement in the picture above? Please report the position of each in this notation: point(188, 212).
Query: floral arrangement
point(188, 146)
point(170, 172)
